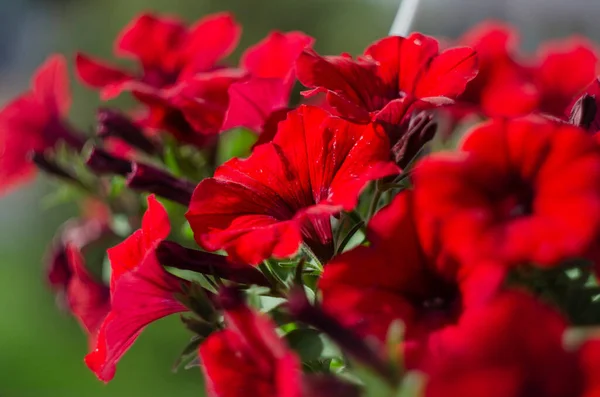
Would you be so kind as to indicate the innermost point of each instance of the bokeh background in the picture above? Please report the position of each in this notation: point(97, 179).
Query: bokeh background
point(42, 349)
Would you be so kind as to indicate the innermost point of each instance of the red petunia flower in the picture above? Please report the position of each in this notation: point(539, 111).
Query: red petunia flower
point(397, 277)
point(287, 190)
point(35, 122)
point(141, 292)
point(170, 54)
point(396, 76)
point(564, 69)
point(503, 86)
point(249, 358)
point(519, 191)
point(510, 347)
point(510, 85)
point(167, 52)
point(271, 67)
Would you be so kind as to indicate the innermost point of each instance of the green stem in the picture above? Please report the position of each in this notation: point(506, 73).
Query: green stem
point(349, 236)
point(374, 201)
point(278, 287)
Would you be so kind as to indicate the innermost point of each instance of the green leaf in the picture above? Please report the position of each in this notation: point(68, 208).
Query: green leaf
point(311, 345)
point(235, 143)
point(188, 354)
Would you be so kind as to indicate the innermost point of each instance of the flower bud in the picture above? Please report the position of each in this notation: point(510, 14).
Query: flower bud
point(102, 162)
point(112, 123)
point(147, 178)
point(172, 254)
point(44, 163)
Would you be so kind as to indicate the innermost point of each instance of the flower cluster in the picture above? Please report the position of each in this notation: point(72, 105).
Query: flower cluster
point(424, 222)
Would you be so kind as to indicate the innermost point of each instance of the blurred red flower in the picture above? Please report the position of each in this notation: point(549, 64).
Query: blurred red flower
point(35, 122)
point(518, 191)
point(249, 356)
point(397, 278)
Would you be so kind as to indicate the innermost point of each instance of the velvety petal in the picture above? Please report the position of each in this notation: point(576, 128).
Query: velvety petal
point(204, 100)
point(354, 80)
point(88, 299)
point(566, 68)
point(211, 39)
point(447, 74)
point(151, 40)
point(509, 98)
point(402, 60)
point(252, 101)
point(127, 255)
point(323, 150)
point(502, 342)
point(353, 281)
point(51, 85)
point(97, 74)
point(249, 357)
point(275, 56)
point(22, 122)
point(524, 191)
point(139, 297)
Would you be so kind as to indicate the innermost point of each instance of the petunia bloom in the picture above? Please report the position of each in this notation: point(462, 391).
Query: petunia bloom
point(270, 65)
point(511, 347)
point(564, 68)
point(510, 84)
point(503, 86)
point(287, 190)
point(395, 77)
point(170, 54)
point(397, 277)
point(166, 50)
point(518, 191)
point(141, 292)
point(248, 357)
point(35, 122)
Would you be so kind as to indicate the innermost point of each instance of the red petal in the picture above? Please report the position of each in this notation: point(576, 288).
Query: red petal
point(51, 85)
point(128, 255)
point(354, 81)
point(275, 56)
point(96, 74)
point(204, 99)
point(566, 69)
point(249, 357)
point(139, 297)
point(448, 73)
point(503, 338)
point(152, 40)
point(21, 125)
point(211, 39)
point(88, 299)
point(251, 102)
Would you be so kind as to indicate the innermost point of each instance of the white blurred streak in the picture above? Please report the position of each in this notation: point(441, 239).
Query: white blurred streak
point(404, 17)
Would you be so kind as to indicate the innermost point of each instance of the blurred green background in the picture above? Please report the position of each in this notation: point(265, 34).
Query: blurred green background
point(42, 349)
